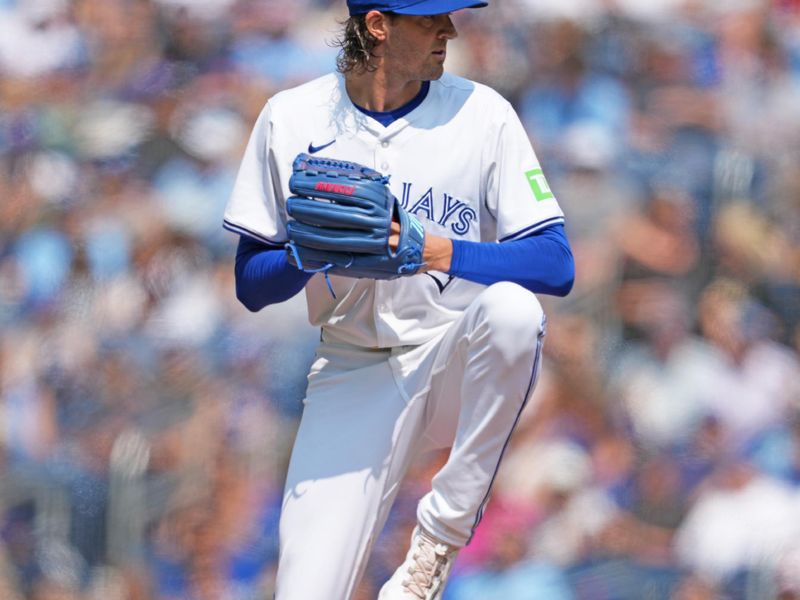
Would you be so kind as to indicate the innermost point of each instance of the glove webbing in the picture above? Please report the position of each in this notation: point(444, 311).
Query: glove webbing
point(329, 166)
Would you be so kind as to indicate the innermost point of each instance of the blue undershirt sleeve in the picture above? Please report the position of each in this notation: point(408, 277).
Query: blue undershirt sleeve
point(541, 262)
point(264, 275)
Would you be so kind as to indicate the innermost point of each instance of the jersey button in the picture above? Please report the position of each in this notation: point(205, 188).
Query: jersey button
point(385, 166)
point(385, 144)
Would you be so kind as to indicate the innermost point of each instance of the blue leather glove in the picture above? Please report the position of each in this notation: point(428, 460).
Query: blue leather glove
point(341, 218)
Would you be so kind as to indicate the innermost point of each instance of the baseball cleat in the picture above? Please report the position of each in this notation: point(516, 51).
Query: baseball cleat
point(423, 574)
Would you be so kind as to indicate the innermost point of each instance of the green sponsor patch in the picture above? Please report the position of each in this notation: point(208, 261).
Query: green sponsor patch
point(538, 183)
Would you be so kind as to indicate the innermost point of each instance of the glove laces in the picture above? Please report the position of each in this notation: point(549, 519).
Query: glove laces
point(410, 268)
point(323, 269)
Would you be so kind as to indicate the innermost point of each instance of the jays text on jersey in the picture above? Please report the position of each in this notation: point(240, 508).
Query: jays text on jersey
point(460, 161)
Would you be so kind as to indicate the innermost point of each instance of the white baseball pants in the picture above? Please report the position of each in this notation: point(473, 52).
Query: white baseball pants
point(369, 412)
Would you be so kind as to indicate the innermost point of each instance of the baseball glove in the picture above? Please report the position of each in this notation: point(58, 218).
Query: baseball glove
point(341, 220)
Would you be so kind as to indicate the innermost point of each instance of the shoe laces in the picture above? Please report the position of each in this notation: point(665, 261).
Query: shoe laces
point(429, 562)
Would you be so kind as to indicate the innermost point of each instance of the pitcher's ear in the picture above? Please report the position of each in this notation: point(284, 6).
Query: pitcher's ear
point(377, 24)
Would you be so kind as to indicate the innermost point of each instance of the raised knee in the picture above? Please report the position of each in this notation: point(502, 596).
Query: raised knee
point(512, 314)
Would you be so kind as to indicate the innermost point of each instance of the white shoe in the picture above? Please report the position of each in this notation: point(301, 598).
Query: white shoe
point(423, 574)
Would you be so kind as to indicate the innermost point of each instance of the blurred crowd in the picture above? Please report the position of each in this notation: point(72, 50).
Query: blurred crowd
point(146, 417)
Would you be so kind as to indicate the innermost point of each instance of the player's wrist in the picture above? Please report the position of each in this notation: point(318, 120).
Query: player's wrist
point(437, 253)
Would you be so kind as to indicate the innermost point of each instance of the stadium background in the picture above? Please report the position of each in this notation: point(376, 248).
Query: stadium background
point(145, 416)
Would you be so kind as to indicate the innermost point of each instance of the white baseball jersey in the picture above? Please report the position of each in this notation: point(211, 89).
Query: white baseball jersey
point(460, 161)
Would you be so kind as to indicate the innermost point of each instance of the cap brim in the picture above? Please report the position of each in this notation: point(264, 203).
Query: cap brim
point(437, 7)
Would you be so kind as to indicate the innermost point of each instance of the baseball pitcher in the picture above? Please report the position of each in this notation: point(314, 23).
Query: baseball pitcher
point(410, 206)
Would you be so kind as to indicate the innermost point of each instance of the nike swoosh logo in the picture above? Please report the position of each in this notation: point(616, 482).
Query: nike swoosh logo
point(312, 149)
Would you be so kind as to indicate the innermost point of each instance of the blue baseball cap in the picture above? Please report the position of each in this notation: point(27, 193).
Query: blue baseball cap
point(411, 7)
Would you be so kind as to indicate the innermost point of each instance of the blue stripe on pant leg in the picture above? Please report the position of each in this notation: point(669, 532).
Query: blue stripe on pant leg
point(528, 393)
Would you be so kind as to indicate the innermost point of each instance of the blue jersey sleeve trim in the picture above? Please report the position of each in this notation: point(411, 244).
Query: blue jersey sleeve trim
point(230, 226)
point(541, 262)
point(522, 233)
